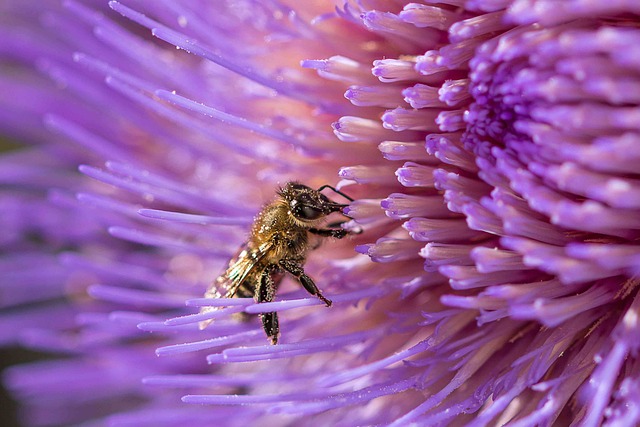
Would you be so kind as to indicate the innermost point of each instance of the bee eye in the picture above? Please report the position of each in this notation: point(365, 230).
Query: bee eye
point(308, 212)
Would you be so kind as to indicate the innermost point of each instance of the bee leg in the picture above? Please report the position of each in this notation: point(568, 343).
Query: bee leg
point(296, 270)
point(338, 233)
point(337, 224)
point(265, 293)
point(271, 326)
point(350, 230)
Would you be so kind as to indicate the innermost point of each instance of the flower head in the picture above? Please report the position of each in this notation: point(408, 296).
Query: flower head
point(489, 145)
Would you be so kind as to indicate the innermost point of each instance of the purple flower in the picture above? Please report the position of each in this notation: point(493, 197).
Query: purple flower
point(491, 149)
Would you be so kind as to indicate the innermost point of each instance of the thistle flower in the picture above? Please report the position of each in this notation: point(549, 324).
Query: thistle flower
point(489, 146)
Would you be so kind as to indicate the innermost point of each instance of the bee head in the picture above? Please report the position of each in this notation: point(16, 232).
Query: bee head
point(307, 204)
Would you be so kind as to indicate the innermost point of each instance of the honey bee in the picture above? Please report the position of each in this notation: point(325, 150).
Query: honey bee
point(282, 234)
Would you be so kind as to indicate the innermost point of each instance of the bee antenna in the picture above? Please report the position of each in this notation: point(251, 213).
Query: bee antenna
point(335, 191)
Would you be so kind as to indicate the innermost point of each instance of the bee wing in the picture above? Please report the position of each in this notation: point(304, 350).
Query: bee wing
point(240, 267)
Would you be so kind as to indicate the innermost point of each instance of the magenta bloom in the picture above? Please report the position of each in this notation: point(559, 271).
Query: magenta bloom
point(491, 147)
